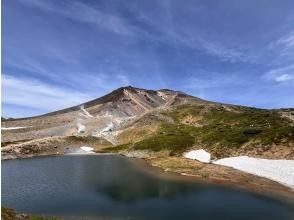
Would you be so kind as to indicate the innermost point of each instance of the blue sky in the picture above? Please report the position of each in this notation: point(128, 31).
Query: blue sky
point(56, 54)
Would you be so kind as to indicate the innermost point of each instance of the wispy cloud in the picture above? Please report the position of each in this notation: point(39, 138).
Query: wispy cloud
point(88, 48)
point(81, 12)
point(31, 64)
point(284, 77)
point(227, 52)
point(287, 41)
point(281, 74)
point(161, 32)
point(32, 93)
point(283, 47)
point(243, 90)
point(94, 82)
point(212, 80)
point(44, 97)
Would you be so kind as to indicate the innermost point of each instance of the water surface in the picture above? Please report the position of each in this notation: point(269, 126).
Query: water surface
point(114, 187)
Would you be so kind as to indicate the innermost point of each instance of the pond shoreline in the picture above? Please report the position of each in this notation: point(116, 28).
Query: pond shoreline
point(135, 166)
point(164, 167)
point(266, 187)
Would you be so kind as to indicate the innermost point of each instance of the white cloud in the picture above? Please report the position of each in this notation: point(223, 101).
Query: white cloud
point(82, 12)
point(282, 74)
point(287, 41)
point(32, 93)
point(72, 77)
point(36, 94)
point(223, 52)
point(284, 77)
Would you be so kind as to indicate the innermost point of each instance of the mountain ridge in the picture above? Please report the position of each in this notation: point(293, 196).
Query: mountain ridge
point(164, 120)
point(119, 92)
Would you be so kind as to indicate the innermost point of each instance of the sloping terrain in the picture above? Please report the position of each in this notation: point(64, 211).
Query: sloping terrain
point(164, 122)
point(222, 130)
point(103, 118)
point(109, 112)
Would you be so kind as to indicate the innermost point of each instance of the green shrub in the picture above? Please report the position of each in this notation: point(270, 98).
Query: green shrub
point(115, 149)
point(221, 130)
point(175, 143)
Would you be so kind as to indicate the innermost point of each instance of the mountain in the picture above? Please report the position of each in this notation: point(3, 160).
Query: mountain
point(164, 121)
point(116, 109)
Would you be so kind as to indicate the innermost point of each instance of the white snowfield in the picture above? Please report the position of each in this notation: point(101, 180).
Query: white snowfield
point(80, 151)
point(281, 171)
point(12, 128)
point(200, 155)
point(87, 149)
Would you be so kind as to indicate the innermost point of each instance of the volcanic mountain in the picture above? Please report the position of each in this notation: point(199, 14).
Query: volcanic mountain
point(115, 110)
point(134, 119)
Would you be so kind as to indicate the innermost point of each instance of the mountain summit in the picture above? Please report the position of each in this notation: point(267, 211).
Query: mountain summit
point(116, 109)
point(132, 101)
point(164, 120)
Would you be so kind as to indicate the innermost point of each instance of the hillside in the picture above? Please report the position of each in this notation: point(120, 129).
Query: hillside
point(163, 122)
point(223, 131)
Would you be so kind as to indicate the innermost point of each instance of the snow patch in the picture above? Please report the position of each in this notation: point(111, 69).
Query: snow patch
point(87, 149)
point(79, 151)
point(200, 155)
point(13, 128)
point(281, 171)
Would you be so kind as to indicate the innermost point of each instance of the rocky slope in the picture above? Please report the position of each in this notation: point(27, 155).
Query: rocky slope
point(145, 122)
point(114, 110)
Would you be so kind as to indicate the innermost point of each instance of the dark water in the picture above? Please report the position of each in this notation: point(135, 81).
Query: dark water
point(112, 187)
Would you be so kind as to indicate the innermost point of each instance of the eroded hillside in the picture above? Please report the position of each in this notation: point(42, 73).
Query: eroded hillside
point(164, 122)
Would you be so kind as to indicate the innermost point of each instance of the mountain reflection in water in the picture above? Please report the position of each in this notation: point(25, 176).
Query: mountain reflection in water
point(115, 187)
